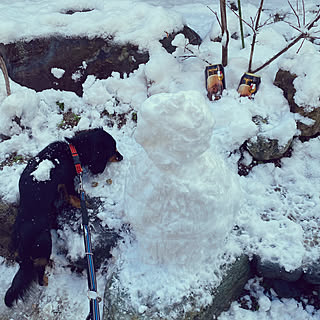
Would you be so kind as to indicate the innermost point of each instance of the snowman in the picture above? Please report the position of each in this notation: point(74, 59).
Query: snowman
point(181, 199)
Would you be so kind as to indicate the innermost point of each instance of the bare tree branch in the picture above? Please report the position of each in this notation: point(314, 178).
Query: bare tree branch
point(295, 13)
point(293, 26)
point(291, 44)
point(255, 35)
point(266, 23)
point(302, 42)
point(216, 14)
point(244, 21)
point(194, 55)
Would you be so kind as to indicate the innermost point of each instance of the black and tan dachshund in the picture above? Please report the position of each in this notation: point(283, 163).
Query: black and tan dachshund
point(31, 237)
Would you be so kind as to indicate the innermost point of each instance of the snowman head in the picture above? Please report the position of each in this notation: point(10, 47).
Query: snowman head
point(174, 128)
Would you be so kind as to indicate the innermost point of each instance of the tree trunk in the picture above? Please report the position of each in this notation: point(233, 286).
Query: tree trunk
point(241, 24)
point(225, 33)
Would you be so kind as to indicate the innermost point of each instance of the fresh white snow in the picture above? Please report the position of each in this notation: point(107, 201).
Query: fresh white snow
point(57, 72)
point(42, 173)
point(279, 214)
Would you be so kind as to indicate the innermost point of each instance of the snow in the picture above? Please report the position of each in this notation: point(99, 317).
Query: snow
point(113, 18)
point(42, 172)
point(279, 213)
point(57, 72)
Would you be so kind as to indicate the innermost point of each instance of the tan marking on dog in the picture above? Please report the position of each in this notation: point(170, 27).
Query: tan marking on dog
point(62, 188)
point(40, 262)
point(74, 201)
point(113, 159)
point(45, 280)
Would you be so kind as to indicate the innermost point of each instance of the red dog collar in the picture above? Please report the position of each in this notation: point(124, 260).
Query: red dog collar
point(76, 159)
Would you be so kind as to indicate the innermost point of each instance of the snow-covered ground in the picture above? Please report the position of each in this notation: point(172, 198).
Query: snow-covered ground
point(279, 215)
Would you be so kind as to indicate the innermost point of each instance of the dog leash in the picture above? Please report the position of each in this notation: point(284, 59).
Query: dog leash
point(92, 281)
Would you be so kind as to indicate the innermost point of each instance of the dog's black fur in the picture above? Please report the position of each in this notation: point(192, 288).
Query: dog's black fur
point(31, 236)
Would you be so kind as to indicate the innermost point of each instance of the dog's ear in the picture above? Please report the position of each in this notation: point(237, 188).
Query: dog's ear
point(103, 147)
point(98, 158)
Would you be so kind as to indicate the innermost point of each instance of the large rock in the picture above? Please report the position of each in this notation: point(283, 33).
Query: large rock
point(69, 223)
point(116, 300)
point(272, 270)
point(302, 281)
point(30, 63)
point(284, 80)
point(263, 148)
point(312, 274)
point(189, 34)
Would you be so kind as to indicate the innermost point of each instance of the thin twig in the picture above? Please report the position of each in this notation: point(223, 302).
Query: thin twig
point(244, 21)
point(293, 26)
point(302, 42)
point(204, 60)
point(183, 58)
point(295, 13)
point(312, 23)
point(216, 14)
point(252, 22)
point(258, 15)
point(266, 23)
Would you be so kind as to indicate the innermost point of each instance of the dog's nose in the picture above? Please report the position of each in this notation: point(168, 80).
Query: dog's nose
point(116, 157)
point(119, 156)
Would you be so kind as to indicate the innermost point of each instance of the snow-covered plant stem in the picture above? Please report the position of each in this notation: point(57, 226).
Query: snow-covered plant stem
point(5, 74)
point(225, 33)
point(241, 24)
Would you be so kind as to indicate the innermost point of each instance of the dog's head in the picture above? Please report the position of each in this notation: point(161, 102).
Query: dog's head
point(96, 148)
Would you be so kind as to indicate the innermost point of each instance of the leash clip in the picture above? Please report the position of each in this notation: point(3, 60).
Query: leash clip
point(79, 183)
point(94, 295)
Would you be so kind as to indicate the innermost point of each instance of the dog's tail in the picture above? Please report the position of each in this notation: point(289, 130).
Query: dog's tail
point(20, 283)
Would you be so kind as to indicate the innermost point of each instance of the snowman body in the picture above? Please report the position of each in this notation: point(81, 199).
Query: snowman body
point(181, 199)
